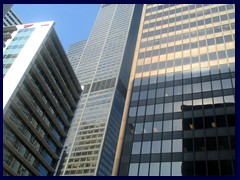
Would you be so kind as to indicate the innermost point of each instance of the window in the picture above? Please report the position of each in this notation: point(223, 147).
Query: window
point(136, 147)
point(157, 127)
point(222, 55)
point(148, 127)
point(187, 89)
point(133, 170)
point(167, 107)
point(141, 110)
point(165, 168)
point(206, 86)
point(154, 169)
point(143, 170)
point(156, 147)
point(166, 146)
point(213, 56)
point(167, 126)
point(169, 91)
point(231, 53)
point(196, 87)
point(146, 147)
point(216, 85)
point(177, 145)
point(150, 110)
point(177, 90)
point(177, 106)
point(135, 96)
point(132, 111)
point(139, 128)
point(158, 108)
point(160, 92)
point(177, 125)
point(229, 99)
point(151, 94)
point(226, 83)
point(143, 95)
point(176, 168)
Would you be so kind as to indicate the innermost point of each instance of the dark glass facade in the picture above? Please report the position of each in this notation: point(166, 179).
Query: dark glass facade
point(181, 116)
point(38, 115)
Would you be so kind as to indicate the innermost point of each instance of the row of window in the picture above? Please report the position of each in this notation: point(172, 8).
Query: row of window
point(185, 124)
point(190, 7)
point(183, 145)
point(219, 55)
point(176, 106)
point(187, 26)
point(14, 164)
point(190, 46)
point(185, 17)
point(187, 74)
point(192, 34)
point(186, 168)
point(24, 152)
point(184, 89)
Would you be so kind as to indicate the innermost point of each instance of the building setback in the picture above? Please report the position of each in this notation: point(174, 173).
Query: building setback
point(40, 95)
point(179, 117)
point(103, 69)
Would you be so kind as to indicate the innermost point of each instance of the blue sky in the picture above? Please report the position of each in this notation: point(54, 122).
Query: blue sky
point(73, 22)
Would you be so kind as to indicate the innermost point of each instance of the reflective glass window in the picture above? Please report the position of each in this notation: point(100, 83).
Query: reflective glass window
point(135, 96)
point(165, 168)
point(143, 170)
point(132, 111)
point(141, 111)
point(148, 127)
point(169, 91)
point(177, 125)
point(133, 169)
point(151, 93)
point(226, 83)
point(136, 147)
point(154, 169)
point(177, 106)
point(196, 87)
point(139, 128)
point(187, 89)
point(166, 146)
point(157, 127)
point(177, 145)
point(156, 147)
point(167, 107)
point(158, 108)
point(206, 86)
point(177, 90)
point(216, 85)
point(146, 147)
point(167, 126)
point(176, 168)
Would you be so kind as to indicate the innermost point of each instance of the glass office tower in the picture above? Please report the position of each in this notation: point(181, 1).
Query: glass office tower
point(180, 107)
point(40, 95)
point(103, 69)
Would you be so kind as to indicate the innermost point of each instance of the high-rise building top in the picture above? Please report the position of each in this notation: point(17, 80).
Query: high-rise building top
point(180, 106)
point(6, 8)
point(74, 53)
point(103, 69)
point(11, 19)
point(40, 93)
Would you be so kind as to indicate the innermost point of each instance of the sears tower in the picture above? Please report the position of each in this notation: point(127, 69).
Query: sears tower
point(103, 68)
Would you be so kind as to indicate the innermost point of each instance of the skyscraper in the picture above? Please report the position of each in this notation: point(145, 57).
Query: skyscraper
point(103, 69)
point(6, 8)
point(40, 95)
point(11, 19)
point(179, 116)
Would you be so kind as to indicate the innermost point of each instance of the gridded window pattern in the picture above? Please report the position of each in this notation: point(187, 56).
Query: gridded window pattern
point(181, 119)
point(14, 48)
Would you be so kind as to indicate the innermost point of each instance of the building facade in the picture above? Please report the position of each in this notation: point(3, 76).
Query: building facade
point(40, 95)
point(103, 69)
point(6, 8)
point(179, 117)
